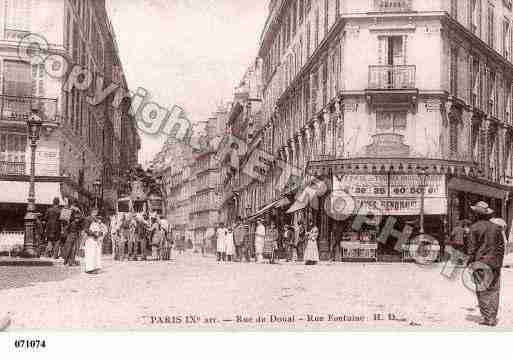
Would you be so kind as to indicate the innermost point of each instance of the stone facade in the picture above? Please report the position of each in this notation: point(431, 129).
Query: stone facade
point(79, 143)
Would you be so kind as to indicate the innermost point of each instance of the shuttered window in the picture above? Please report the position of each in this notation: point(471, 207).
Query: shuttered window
point(17, 79)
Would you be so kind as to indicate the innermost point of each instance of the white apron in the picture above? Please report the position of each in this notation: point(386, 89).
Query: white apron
point(259, 239)
point(93, 248)
point(221, 240)
point(229, 245)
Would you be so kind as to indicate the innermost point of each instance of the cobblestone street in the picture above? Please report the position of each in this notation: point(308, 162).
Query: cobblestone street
point(192, 292)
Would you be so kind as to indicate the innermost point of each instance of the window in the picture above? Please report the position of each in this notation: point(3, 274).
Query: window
point(317, 28)
point(294, 17)
point(17, 78)
point(505, 38)
point(308, 41)
point(325, 83)
point(492, 92)
point(474, 16)
point(314, 89)
point(491, 26)
point(17, 14)
point(12, 150)
point(453, 137)
point(326, 17)
point(474, 80)
point(390, 122)
point(454, 8)
point(301, 7)
point(507, 102)
point(454, 71)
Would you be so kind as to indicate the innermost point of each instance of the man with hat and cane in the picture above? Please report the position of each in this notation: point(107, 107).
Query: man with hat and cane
point(486, 256)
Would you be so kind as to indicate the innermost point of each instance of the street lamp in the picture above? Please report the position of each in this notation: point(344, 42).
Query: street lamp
point(96, 188)
point(423, 184)
point(34, 124)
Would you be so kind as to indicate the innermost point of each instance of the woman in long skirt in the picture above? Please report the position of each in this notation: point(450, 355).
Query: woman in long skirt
point(259, 241)
point(229, 245)
point(311, 250)
point(93, 244)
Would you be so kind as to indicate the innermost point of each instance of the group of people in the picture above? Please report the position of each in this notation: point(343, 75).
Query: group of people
point(66, 229)
point(141, 237)
point(481, 244)
point(234, 243)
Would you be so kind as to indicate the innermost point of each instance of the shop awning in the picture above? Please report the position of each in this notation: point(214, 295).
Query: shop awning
point(264, 210)
point(282, 202)
point(465, 185)
point(17, 192)
point(297, 206)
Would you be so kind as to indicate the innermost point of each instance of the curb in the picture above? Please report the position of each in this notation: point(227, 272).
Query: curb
point(15, 262)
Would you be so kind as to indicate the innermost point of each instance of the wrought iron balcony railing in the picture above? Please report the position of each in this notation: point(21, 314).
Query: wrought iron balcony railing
point(8, 168)
point(385, 77)
point(17, 108)
point(392, 5)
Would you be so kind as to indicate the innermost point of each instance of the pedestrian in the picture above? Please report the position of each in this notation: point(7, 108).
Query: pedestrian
point(221, 243)
point(299, 243)
point(459, 239)
point(53, 227)
point(95, 233)
point(288, 242)
point(132, 237)
point(259, 240)
point(73, 229)
point(486, 256)
point(247, 242)
point(238, 237)
point(125, 234)
point(311, 256)
point(38, 234)
point(229, 244)
point(271, 243)
point(155, 238)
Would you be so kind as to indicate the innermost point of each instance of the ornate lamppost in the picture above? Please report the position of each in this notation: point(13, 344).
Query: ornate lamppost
point(34, 124)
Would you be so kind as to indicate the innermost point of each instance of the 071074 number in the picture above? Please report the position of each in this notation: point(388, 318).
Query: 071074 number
point(29, 343)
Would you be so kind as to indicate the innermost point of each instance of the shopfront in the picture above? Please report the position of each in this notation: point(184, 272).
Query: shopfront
point(368, 211)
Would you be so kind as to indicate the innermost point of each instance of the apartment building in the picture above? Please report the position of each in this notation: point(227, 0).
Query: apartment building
point(79, 143)
point(385, 100)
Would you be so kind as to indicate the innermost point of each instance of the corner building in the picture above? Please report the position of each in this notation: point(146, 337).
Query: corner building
point(79, 143)
point(385, 100)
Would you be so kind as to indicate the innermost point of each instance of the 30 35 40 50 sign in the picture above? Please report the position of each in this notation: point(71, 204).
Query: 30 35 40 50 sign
point(394, 194)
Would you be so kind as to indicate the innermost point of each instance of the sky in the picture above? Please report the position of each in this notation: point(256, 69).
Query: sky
point(189, 53)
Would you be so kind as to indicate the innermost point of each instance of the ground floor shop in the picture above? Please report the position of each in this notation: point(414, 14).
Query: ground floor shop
point(378, 215)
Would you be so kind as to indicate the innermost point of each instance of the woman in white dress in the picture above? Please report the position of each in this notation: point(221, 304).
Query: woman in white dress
point(229, 244)
point(259, 241)
point(93, 245)
point(311, 250)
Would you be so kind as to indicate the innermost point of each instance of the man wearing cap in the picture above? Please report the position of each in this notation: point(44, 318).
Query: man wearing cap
point(486, 254)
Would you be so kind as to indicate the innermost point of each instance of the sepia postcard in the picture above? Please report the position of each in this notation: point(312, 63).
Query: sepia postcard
point(255, 165)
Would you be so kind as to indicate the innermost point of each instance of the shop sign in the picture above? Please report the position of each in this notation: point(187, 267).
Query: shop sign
point(392, 194)
point(411, 185)
point(362, 185)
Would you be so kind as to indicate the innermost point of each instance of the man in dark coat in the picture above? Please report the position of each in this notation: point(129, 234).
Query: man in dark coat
point(486, 255)
point(53, 227)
